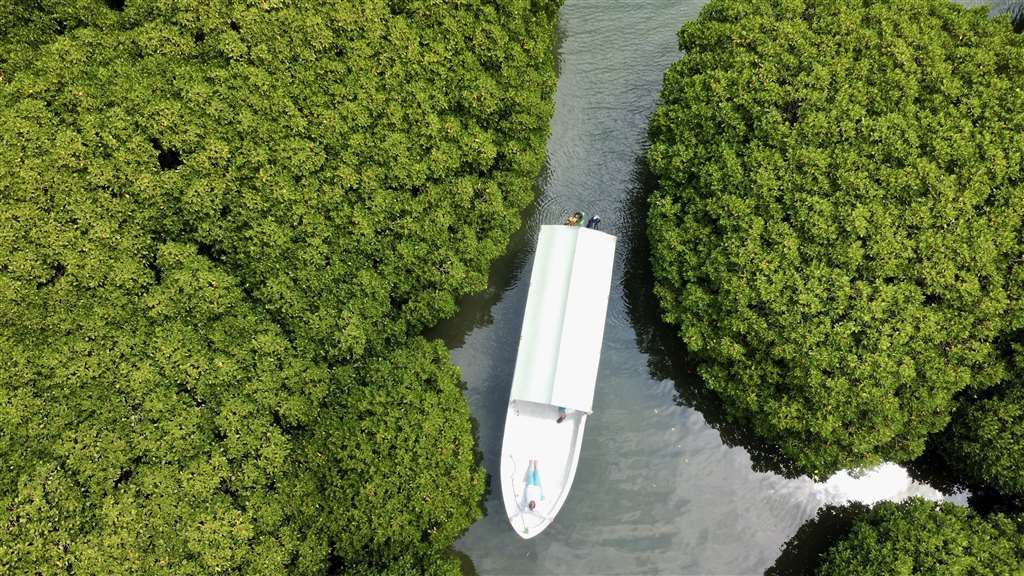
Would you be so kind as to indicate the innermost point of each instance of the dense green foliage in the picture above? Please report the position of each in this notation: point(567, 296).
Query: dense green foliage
point(404, 468)
point(144, 423)
point(221, 226)
point(927, 538)
point(985, 439)
point(358, 166)
point(837, 229)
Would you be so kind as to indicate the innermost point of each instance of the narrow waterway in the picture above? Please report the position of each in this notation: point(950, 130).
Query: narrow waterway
point(663, 487)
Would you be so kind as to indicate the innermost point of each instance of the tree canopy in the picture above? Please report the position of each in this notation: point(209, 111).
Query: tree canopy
point(837, 225)
point(358, 165)
point(918, 537)
point(222, 226)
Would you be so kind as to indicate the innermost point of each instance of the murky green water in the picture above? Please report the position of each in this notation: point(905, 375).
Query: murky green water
point(662, 486)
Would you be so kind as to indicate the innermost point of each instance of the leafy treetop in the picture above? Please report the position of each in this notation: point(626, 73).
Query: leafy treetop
point(918, 537)
point(837, 228)
point(221, 224)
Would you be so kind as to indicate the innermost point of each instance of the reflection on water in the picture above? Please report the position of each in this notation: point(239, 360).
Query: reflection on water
point(885, 482)
point(665, 485)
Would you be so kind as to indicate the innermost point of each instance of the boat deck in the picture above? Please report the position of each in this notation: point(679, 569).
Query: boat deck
point(533, 433)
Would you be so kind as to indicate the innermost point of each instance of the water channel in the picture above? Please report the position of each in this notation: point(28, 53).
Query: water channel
point(663, 486)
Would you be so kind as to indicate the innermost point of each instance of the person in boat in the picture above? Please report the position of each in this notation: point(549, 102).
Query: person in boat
point(534, 493)
point(562, 413)
point(575, 219)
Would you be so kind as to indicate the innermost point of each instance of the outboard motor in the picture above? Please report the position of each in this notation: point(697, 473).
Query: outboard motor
point(594, 222)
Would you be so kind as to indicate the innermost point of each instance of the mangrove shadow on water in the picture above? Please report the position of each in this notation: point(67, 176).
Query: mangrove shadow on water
point(933, 469)
point(465, 562)
point(988, 501)
point(667, 355)
point(1016, 13)
point(801, 553)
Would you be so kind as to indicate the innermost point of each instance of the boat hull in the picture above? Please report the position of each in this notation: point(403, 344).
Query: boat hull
point(532, 433)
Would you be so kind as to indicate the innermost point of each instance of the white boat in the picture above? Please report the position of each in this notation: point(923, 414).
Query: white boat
point(556, 368)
